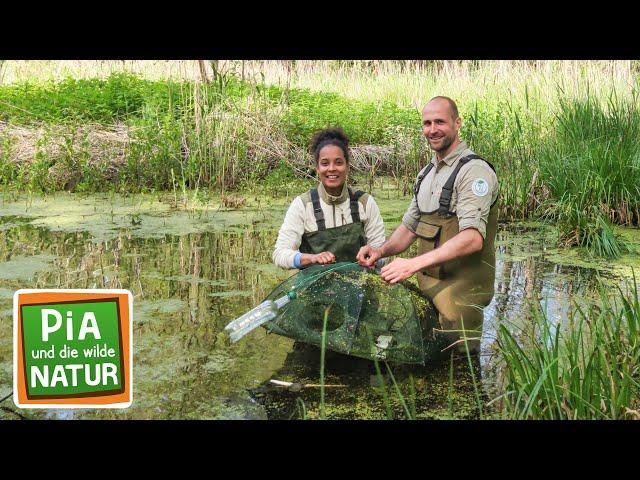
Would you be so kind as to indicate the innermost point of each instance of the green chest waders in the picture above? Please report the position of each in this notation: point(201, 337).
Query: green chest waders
point(344, 241)
point(461, 288)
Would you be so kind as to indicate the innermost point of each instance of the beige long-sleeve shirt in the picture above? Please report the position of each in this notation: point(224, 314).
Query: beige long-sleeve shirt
point(300, 219)
point(474, 191)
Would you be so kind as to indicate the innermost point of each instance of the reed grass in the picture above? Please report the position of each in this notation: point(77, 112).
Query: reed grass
point(323, 347)
point(472, 374)
point(591, 166)
point(383, 388)
point(410, 413)
point(588, 368)
point(301, 408)
point(450, 388)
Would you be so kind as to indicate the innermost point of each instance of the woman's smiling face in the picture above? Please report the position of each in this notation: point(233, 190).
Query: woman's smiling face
point(332, 168)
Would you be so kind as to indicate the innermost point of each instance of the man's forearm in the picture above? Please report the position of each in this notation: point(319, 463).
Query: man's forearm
point(398, 242)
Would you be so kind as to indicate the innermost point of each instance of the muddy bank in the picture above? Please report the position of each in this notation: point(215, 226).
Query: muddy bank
point(72, 153)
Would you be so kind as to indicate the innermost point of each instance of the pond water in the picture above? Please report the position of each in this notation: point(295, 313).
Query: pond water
point(194, 268)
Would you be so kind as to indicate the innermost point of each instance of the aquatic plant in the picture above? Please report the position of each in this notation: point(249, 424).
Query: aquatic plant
point(588, 368)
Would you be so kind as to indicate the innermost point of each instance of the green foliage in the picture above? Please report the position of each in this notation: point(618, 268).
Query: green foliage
point(70, 100)
point(584, 224)
point(122, 96)
point(364, 122)
point(197, 130)
point(154, 152)
point(118, 98)
point(8, 168)
point(281, 180)
point(506, 134)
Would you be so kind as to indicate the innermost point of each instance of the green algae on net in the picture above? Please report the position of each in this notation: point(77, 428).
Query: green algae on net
point(366, 317)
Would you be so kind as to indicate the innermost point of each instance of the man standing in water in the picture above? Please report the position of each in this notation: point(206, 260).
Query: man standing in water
point(453, 215)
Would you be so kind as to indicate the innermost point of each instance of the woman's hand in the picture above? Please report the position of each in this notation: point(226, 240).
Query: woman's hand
point(323, 258)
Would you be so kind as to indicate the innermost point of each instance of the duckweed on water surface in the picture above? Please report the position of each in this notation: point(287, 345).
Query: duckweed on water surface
point(144, 216)
point(24, 268)
point(6, 293)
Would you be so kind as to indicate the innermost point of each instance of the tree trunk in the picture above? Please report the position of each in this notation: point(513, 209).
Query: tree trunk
point(203, 71)
point(214, 68)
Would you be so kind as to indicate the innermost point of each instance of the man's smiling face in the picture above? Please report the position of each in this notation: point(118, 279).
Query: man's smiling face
point(439, 127)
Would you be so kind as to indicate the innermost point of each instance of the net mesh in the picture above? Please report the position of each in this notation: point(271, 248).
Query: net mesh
point(366, 317)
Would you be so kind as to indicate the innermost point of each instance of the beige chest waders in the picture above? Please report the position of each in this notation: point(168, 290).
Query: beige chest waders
point(344, 241)
point(461, 288)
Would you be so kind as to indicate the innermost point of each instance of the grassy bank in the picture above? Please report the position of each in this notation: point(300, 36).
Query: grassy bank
point(563, 136)
point(189, 134)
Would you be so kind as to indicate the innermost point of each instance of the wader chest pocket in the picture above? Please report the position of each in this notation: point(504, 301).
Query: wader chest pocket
point(428, 232)
point(428, 239)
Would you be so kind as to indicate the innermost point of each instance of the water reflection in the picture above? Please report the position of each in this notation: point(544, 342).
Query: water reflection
point(187, 287)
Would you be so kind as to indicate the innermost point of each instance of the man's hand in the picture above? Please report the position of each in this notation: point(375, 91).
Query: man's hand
point(398, 270)
point(464, 243)
point(323, 258)
point(368, 256)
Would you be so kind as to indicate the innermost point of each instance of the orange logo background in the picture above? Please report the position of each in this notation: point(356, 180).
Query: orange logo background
point(28, 297)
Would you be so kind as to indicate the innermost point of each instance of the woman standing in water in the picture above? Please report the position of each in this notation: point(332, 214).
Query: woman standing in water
point(331, 222)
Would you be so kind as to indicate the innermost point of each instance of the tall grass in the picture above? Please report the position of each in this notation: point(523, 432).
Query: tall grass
point(18, 71)
point(591, 166)
point(411, 83)
point(586, 369)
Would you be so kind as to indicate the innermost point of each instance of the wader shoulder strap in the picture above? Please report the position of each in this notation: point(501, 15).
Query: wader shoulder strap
point(447, 189)
point(424, 173)
point(355, 209)
point(317, 209)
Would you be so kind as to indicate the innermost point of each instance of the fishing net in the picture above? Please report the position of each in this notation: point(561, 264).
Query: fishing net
point(366, 317)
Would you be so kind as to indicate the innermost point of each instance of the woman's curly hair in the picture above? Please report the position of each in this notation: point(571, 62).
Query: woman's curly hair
point(329, 136)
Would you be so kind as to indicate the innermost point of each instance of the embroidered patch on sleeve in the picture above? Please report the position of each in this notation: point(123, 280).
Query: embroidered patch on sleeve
point(480, 187)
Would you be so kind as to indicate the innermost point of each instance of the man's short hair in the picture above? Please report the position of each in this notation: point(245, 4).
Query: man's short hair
point(453, 108)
